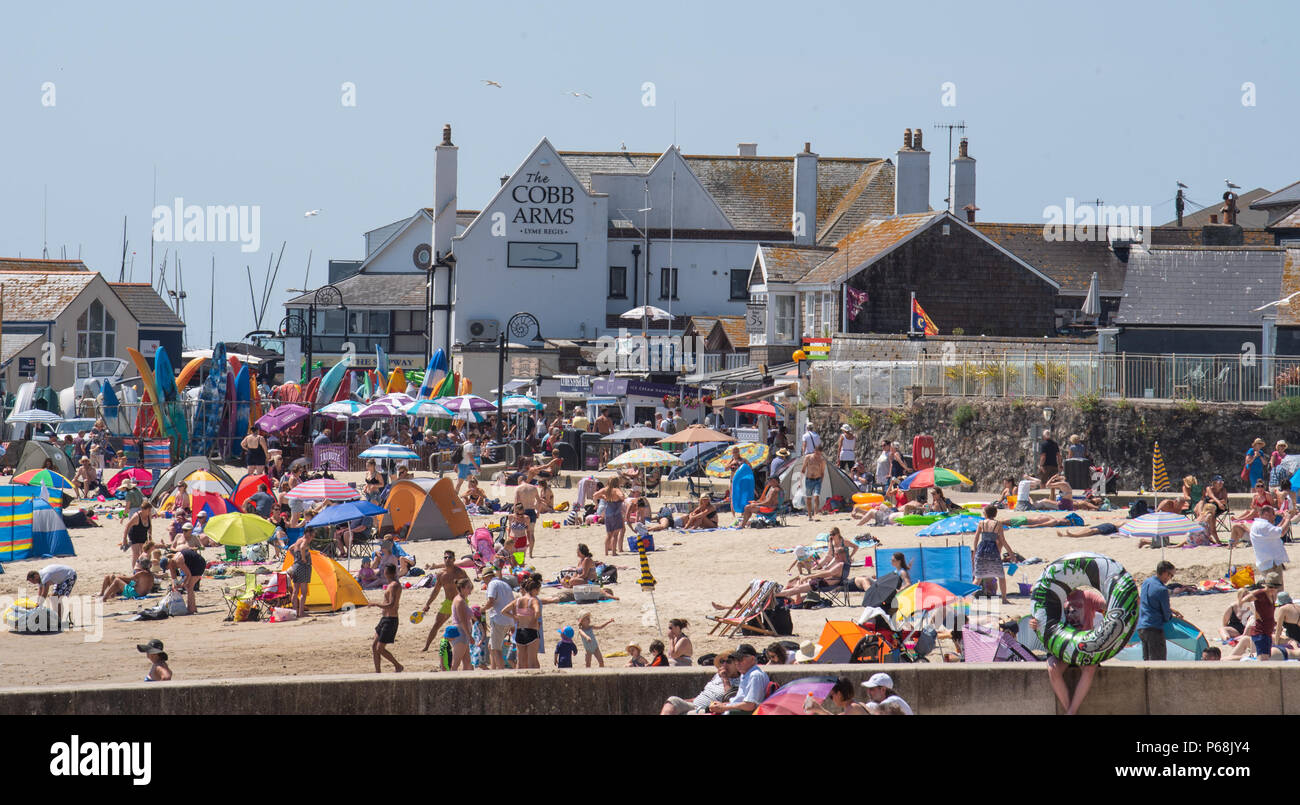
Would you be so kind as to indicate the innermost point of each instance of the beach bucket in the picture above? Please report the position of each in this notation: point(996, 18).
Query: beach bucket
point(1011, 501)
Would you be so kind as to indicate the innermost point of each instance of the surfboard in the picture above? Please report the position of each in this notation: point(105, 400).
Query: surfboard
point(381, 367)
point(188, 372)
point(241, 410)
point(144, 422)
point(175, 423)
point(254, 399)
point(397, 381)
point(308, 397)
point(208, 413)
point(433, 374)
point(329, 384)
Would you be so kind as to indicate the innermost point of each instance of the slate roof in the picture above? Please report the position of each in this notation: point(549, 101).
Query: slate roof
point(865, 243)
point(1195, 236)
point(36, 264)
point(41, 295)
point(755, 193)
point(376, 290)
point(791, 263)
point(13, 343)
point(734, 327)
point(1070, 263)
point(1200, 286)
point(1246, 217)
point(1285, 197)
point(146, 305)
point(871, 195)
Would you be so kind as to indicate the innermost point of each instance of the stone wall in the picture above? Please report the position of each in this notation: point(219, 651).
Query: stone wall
point(1201, 440)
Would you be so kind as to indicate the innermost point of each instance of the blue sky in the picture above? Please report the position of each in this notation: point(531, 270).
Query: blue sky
point(240, 103)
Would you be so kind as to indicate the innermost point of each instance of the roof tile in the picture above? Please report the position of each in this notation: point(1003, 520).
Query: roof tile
point(1200, 286)
point(146, 305)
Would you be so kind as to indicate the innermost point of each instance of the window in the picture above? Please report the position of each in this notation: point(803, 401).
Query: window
point(784, 318)
point(96, 332)
point(739, 284)
point(828, 313)
point(368, 322)
point(618, 282)
point(809, 313)
point(667, 283)
point(408, 321)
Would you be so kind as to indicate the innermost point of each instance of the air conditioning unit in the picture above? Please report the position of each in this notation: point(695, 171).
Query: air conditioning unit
point(484, 329)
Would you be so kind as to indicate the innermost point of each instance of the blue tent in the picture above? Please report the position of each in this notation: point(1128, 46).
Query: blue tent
point(49, 535)
point(742, 488)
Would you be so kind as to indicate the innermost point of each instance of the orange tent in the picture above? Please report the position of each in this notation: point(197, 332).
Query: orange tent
point(837, 642)
point(331, 587)
point(431, 508)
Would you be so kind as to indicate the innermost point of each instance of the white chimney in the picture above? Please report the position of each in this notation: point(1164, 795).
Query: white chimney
point(803, 223)
point(747, 149)
point(444, 229)
point(961, 177)
point(912, 177)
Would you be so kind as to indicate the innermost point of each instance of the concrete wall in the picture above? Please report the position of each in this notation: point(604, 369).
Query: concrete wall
point(931, 689)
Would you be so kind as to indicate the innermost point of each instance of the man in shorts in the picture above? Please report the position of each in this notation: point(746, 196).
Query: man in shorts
point(468, 467)
point(1084, 608)
point(814, 469)
point(498, 595)
point(54, 581)
point(386, 629)
point(448, 577)
point(526, 495)
point(1099, 530)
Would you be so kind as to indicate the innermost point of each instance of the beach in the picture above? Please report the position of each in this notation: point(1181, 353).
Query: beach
point(692, 569)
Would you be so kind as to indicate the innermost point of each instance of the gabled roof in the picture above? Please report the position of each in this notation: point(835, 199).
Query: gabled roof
point(13, 343)
point(1287, 196)
point(789, 263)
point(870, 240)
point(1246, 216)
point(405, 290)
point(146, 305)
point(699, 325)
point(734, 328)
point(1200, 286)
point(39, 264)
point(41, 295)
point(755, 193)
point(871, 195)
point(1070, 263)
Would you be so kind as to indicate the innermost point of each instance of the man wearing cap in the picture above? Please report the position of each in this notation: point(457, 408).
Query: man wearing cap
point(158, 670)
point(1265, 602)
point(499, 595)
point(1154, 612)
point(751, 687)
point(880, 689)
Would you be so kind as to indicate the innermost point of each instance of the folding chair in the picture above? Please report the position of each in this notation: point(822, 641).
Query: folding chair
point(276, 593)
point(247, 595)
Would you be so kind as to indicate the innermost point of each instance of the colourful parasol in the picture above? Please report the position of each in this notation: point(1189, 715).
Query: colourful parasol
point(752, 452)
point(46, 478)
point(1166, 525)
point(924, 596)
point(323, 489)
point(239, 528)
point(645, 457)
point(789, 698)
point(761, 408)
point(934, 476)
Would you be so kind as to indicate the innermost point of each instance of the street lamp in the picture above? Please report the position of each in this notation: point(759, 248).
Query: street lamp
point(326, 296)
point(519, 326)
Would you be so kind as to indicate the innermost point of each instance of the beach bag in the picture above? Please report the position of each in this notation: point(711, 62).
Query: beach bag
point(283, 614)
point(1244, 577)
point(1138, 508)
point(606, 574)
point(174, 604)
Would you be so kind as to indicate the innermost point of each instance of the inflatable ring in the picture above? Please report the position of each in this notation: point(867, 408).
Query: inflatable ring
point(868, 497)
point(918, 519)
point(1085, 646)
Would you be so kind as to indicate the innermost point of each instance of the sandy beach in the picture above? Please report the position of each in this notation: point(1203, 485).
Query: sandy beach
point(692, 570)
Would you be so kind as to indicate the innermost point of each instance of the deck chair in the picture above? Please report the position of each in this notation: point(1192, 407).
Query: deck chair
point(246, 595)
point(276, 592)
point(699, 487)
point(749, 611)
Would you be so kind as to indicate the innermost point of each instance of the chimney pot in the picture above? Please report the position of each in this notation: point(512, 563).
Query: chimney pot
point(504, 179)
point(747, 149)
point(916, 139)
point(807, 148)
point(1214, 219)
point(446, 134)
point(907, 139)
point(961, 149)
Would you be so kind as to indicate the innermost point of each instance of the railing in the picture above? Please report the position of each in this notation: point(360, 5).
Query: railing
point(1238, 378)
point(714, 362)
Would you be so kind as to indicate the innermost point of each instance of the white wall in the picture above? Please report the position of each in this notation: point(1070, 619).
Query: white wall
point(690, 204)
point(703, 277)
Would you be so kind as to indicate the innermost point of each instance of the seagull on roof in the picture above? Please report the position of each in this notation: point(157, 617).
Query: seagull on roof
point(1279, 302)
point(1232, 186)
point(622, 146)
point(489, 82)
point(1180, 184)
point(577, 93)
point(310, 213)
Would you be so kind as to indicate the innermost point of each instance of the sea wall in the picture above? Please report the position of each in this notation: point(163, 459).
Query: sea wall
point(993, 440)
point(931, 689)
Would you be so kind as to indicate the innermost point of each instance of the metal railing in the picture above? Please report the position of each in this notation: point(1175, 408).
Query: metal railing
point(1237, 378)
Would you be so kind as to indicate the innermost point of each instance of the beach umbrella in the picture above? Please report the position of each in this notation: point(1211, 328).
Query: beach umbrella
point(1159, 476)
point(341, 409)
point(323, 489)
point(396, 399)
point(34, 415)
point(789, 698)
point(645, 457)
point(934, 476)
point(345, 512)
point(46, 478)
point(281, 418)
point(752, 452)
point(521, 402)
point(1163, 525)
point(431, 409)
point(239, 528)
point(389, 451)
point(697, 433)
point(927, 595)
point(1092, 302)
point(381, 409)
point(142, 477)
point(647, 312)
point(475, 402)
point(640, 432)
point(465, 412)
point(761, 408)
point(949, 526)
point(882, 590)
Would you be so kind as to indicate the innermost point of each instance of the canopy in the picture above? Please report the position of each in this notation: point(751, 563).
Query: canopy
point(46, 478)
point(389, 451)
point(752, 452)
point(647, 312)
point(1166, 525)
point(697, 433)
point(142, 477)
point(34, 415)
point(645, 457)
point(429, 408)
point(168, 480)
point(520, 402)
point(380, 409)
point(239, 528)
point(927, 595)
point(760, 408)
point(475, 402)
point(345, 513)
point(789, 698)
point(331, 586)
point(282, 418)
point(343, 408)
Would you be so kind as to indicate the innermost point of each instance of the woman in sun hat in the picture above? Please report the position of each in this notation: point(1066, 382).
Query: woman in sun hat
point(847, 446)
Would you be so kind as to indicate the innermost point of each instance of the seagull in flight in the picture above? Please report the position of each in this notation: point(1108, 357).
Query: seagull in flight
point(577, 93)
point(1232, 186)
point(489, 82)
point(1279, 302)
point(311, 213)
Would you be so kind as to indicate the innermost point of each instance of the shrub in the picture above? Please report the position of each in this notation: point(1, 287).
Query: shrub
point(1285, 410)
point(1189, 406)
point(859, 419)
point(963, 416)
point(1018, 404)
point(1088, 403)
point(898, 417)
point(812, 397)
point(1124, 404)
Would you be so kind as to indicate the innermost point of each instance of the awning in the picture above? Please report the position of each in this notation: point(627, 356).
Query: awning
point(732, 401)
point(513, 386)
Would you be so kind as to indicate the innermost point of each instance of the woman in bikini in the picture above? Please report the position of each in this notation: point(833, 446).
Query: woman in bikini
point(614, 498)
point(374, 482)
point(300, 574)
point(526, 609)
point(705, 515)
point(474, 495)
point(139, 529)
point(458, 632)
point(680, 647)
point(545, 497)
point(586, 570)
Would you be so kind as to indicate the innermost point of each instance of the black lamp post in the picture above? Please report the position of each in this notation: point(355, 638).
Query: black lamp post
point(326, 296)
point(519, 326)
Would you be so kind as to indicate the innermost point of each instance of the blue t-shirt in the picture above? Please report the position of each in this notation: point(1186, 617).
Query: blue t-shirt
point(565, 650)
point(1153, 609)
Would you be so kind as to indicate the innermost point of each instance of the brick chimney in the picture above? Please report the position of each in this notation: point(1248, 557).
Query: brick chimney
point(912, 179)
point(804, 219)
point(962, 178)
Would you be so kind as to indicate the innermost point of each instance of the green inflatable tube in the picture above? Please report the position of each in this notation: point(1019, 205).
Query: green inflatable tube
point(1085, 646)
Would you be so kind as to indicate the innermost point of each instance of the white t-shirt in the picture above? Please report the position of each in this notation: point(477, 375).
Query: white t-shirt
point(501, 595)
point(811, 442)
point(1266, 539)
point(898, 700)
point(468, 453)
point(1022, 490)
point(55, 574)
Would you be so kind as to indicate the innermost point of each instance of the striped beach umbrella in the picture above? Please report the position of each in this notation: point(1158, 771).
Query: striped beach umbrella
point(1166, 525)
point(46, 478)
point(1159, 475)
point(647, 579)
point(926, 595)
point(751, 452)
point(520, 402)
point(323, 489)
point(343, 408)
point(430, 409)
point(389, 451)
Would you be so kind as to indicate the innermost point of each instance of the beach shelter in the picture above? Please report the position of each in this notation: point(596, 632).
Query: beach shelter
point(835, 482)
point(331, 586)
point(15, 521)
point(29, 454)
point(143, 479)
point(837, 642)
point(248, 486)
point(982, 644)
point(1183, 642)
point(789, 698)
point(168, 480)
point(931, 563)
point(49, 535)
point(431, 508)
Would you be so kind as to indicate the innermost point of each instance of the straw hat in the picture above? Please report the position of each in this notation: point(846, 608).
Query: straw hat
point(783, 453)
point(807, 651)
point(127, 483)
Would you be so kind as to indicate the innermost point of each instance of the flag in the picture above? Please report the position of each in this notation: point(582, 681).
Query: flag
point(856, 300)
point(1159, 476)
point(921, 323)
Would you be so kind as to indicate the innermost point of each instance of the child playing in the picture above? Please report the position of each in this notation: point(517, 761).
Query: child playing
point(587, 633)
point(519, 528)
point(565, 649)
point(634, 658)
point(804, 559)
point(657, 658)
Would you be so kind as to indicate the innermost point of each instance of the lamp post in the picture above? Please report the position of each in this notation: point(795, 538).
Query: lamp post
point(326, 296)
point(518, 326)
